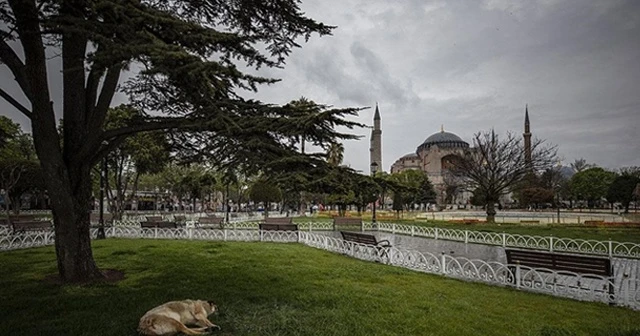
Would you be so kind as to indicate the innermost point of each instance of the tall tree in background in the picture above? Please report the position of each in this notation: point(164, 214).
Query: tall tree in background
point(335, 154)
point(184, 60)
point(266, 192)
point(143, 153)
point(621, 190)
point(581, 164)
point(494, 166)
point(19, 168)
point(414, 188)
point(591, 184)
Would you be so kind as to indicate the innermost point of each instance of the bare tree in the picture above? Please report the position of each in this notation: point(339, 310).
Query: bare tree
point(493, 167)
point(581, 164)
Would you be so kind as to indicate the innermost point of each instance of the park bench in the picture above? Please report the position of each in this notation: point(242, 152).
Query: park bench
point(210, 222)
point(158, 224)
point(342, 222)
point(278, 220)
point(278, 227)
point(366, 239)
point(584, 265)
point(30, 226)
point(23, 218)
point(153, 218)
point(561, 262)
point(363, 238)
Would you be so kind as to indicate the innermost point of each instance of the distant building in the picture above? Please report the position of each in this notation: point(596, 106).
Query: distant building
point(435, 155)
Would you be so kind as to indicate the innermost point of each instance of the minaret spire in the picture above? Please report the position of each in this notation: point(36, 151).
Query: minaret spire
point(527, 136)
point(375, 148)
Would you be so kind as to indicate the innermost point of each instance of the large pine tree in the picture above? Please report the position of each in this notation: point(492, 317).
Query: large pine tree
point(179, 61)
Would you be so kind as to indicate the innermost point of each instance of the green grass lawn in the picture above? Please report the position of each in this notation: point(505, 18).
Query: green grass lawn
point(281, 289)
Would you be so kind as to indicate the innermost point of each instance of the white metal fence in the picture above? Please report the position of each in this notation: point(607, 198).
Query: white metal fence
point(522, 216)
point(623, 291)
point(606, 248)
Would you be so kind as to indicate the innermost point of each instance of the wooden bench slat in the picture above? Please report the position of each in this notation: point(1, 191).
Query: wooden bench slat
point(210, 220)
point(278, 220)
point(158, 224)
point(561, 262)
point(31, 226)
point(278, 227)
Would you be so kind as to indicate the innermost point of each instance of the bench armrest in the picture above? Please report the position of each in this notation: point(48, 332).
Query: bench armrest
point(384, 243)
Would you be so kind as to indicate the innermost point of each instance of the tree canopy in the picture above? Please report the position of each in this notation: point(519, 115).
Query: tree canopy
point(591, 184)
point(622, 188)
point(180, 63)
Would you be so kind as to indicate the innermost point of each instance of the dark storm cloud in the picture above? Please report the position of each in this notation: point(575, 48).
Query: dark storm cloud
point(472, 66)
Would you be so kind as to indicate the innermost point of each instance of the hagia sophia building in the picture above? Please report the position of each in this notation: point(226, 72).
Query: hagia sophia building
point(433, 156)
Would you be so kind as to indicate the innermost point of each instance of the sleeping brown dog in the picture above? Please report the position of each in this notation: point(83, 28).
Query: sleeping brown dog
point(173, 317)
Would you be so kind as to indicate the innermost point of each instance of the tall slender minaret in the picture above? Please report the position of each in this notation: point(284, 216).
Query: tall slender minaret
point(376, 144)
point(527, 136)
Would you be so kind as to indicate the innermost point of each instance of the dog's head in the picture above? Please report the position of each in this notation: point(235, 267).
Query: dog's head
point(211, 307)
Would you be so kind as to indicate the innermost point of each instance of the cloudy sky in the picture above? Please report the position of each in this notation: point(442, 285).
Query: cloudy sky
point(472, 66)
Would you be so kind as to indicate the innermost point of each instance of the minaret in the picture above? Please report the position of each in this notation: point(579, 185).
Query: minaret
point(375, 148)
point(527, 136)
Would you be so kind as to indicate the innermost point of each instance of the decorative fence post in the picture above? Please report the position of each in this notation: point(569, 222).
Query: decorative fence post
point(442, 264)
point(436, 235)
point(155, 232)
point(466, 236)
point(504, 239)
point(610, 248)
point(224, 231)
point(393, 228)
point(551, 244)
point(190, 233)
point(518, 275)
point(413, 229)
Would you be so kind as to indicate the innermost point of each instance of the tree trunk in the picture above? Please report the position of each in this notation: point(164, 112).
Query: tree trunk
point(71, 221)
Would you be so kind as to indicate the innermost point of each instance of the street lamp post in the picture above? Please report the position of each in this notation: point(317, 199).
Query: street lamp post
point(374, 170)
point(558, 172)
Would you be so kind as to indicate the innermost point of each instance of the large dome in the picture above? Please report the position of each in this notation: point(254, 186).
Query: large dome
point(444, 140)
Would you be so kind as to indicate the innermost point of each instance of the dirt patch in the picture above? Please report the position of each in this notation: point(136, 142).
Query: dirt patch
point(109, 276)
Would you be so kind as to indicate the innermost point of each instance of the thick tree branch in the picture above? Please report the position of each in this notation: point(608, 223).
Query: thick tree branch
point(109, 86)
point(91, 90)
point(171, 123)
point(9, 57)
point(15, 103)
